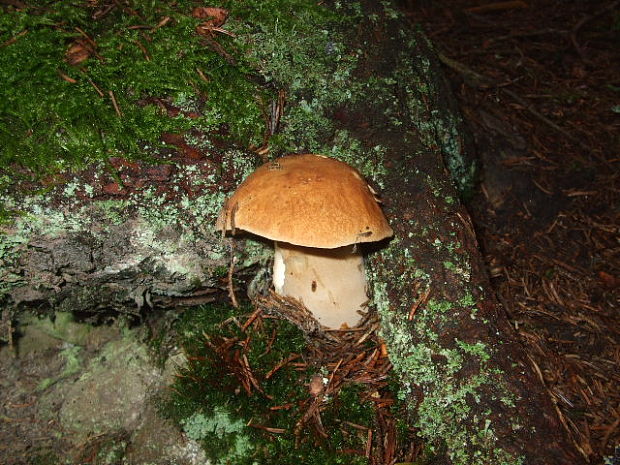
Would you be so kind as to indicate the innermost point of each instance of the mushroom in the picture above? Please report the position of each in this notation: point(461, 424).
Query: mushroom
point(316, 209)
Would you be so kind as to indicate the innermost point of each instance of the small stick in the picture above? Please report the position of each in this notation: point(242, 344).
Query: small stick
point(91, 42)
point(66, 78)
point(421, 300)
point(223, 31)
point(87, 37)
point(283, 406)
point(165, 20)
point(116, 108)
point(13, 39)
point(101, 94)
point(331, 378)
point(369, 443)
point(251, 319)
point(202, 75)
point(281, 364)
point(267, 428)
point(231, 269)
point(147, 57)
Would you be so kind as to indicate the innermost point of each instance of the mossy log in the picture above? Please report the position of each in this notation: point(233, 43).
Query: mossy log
point(368, 91)
point(139, 238)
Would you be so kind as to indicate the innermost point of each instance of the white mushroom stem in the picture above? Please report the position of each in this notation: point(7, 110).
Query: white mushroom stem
point(331, 283)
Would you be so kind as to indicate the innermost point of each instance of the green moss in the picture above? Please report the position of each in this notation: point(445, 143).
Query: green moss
point(213, 408)
point(49, 122)
point(53, 115)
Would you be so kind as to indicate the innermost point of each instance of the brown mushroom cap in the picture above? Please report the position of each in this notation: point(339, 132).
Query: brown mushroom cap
point(309, 200)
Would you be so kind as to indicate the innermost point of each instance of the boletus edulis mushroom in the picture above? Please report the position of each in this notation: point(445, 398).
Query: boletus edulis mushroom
point(316, 209)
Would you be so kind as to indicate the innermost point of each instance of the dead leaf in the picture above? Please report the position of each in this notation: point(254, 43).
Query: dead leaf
point(78, 51)
point(113, 188)
point(609, 280)
point(215, 16)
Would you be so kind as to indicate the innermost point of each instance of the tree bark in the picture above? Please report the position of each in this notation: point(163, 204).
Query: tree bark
point(471, 390)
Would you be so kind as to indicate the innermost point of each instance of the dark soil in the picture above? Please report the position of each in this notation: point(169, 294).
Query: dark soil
point(539, 84)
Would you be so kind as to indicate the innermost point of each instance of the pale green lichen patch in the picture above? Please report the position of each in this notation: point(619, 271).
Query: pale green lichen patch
point(430, 367)
point(425, 363)
point(119, 378)
point(446, 398)
point(199, 427)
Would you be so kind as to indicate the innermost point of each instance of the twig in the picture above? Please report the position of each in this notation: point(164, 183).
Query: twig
point(331, 378)
point(91, 42)
point(13, 39)
point(281, 364)
point(231, 269)
point(267, 428)
point(101, 94)
point(202, 75)
point(165, 20)
point(147, 57)
point(251, 319)
point(69, 79)
point(116, 107)
point(217, 48)
point(421, 300)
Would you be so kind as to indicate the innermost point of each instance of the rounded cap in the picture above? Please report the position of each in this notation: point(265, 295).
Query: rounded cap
point(308, 200)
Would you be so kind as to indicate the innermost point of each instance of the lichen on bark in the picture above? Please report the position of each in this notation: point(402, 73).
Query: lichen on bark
point(75, 251)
